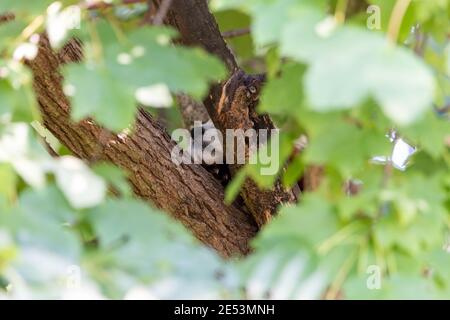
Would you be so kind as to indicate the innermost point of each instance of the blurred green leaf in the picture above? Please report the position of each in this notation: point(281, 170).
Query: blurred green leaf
point(310, 222)
point(283, 95)
point(99, 94)
point(115, 176)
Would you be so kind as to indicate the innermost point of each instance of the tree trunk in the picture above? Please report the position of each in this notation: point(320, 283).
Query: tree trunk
point(189, 193)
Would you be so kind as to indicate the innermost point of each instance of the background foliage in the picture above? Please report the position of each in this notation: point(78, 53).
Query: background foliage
point(330, 78)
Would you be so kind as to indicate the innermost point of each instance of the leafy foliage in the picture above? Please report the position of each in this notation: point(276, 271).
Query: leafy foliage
point(345, 87)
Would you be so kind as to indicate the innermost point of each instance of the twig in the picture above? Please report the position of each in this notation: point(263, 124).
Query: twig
point(32, 27)
point(398, 13)
point(236, 33)
point(103, 5)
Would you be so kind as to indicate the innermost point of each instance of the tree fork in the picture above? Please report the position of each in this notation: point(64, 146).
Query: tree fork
point(198, 27)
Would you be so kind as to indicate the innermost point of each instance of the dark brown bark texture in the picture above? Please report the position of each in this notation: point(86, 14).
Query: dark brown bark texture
point(230, 105)
point(189, 193)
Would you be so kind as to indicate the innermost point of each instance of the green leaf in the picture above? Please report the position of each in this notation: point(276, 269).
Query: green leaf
point(27, 157)
point(234, 187)
point(439, 262)
point(310, 223)
point(24, 6)
point(181, 69)
point(399, 82)
point(115, 176)
point(232, 20)
point(106, 91)
point(269, 18)
point(448, 60)
point(49, 201)
point(366, 201)
point(283, 95)
point(397, 287)
point(9, 182)
point(345, 146)
point(18, 102)
point(10, 31)
point(347, 65)
point(312, 44)
point(409, 19)
point(82, 188)
point(264, 165)
point(47, 246)
point(293, 172)
point(433, 16)
point(418, 222)
point(283, 271)
point(429, 133)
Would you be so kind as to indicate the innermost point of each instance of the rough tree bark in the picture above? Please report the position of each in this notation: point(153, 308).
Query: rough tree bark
point(188, 193)
point(230, 105)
